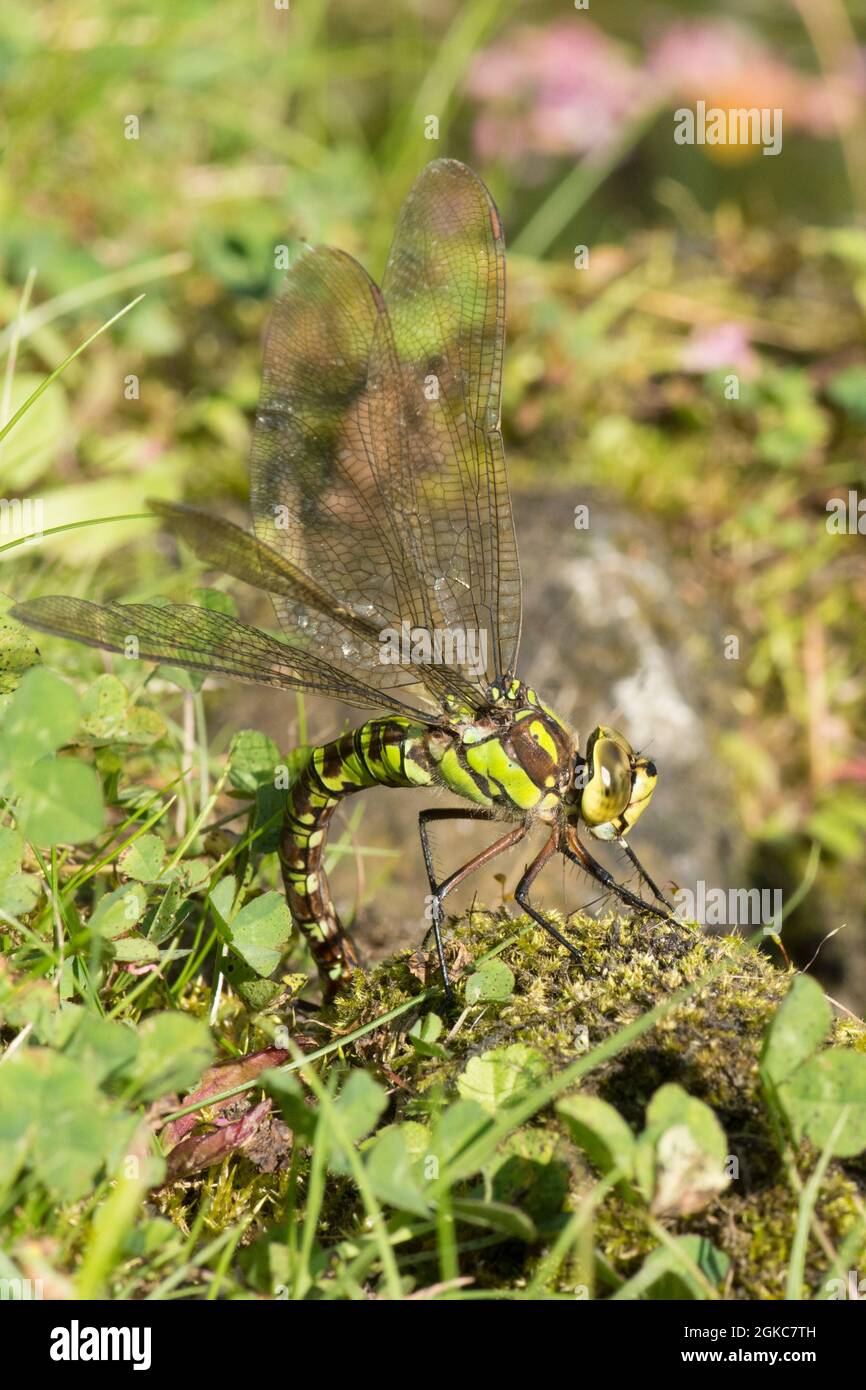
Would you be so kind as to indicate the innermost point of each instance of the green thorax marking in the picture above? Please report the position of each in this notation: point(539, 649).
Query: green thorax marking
point(516, 756)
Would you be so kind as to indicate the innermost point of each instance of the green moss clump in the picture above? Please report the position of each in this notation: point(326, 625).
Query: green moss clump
point(709, 1045)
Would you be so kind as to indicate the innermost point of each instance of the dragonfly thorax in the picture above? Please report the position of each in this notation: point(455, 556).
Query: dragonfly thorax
point(515, 756)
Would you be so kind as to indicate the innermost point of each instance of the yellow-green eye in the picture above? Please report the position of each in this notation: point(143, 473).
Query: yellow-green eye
point(608, 790)
point(645, 778)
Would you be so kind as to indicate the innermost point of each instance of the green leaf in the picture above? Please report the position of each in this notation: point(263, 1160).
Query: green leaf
point(109, 717)
point(166, 916)
point(796, 1031)
point(816, 1094)
point(501, 1076)
point(103, 710)
point(493, 980)
point(18, 652)
point(11, 852)
point(680, 1157)
point(257, 993)
point(290, 1096)
point(847, 389)
point(389, 1168)
point(19, 1113)
point(261, 931)
point(54, 1118)
point(838, 826)
point(359, 1105)
point(671, 1105)
point(61, 802)
point(193, 874)
point(19, 892)
point(215, 601)
point(119, 911)
point(174, 1051)
point(42, 715)
point(530, 1170)
point(600, 1131)
point(143, 859)
point(456, 1127)
point(104, 1049)
point(252, 760)
point(222, 897)
point(423, 1034)
point(507, 1220)
point(663, 1276)
point(427, 1028)
point(134, 948)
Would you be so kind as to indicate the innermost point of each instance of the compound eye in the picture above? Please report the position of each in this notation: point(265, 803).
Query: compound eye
point(607, 792)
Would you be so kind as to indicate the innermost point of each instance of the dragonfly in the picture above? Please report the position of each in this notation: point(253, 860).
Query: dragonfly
point(383, 534)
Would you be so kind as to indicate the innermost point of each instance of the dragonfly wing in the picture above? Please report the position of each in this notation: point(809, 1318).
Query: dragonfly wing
point(329, 491)
point(444, 287)
point(311, 615)
point(202, 640)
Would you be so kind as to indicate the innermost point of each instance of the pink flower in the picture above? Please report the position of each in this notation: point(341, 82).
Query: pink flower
point(719, 347)
point(568, 89)
point(564, 89)
point(727, 65)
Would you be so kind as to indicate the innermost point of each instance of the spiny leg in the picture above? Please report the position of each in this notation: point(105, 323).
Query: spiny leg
point(522, 891)
point(578, 854)
point(654, 889)
point(440, 890)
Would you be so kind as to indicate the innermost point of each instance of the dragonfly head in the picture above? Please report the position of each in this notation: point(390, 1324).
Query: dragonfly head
point(613, 783)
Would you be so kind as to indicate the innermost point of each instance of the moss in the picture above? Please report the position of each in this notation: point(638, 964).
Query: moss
point(709, 1045)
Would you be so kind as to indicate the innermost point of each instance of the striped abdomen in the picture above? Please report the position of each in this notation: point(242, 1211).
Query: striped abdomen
point(384, 752)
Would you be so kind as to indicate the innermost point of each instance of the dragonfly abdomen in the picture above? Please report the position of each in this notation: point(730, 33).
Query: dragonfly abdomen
point(383, 752)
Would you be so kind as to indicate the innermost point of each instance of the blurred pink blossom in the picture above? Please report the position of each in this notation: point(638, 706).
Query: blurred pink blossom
point(569, 89)
point(718, 347)
point(725, 64)
point(564, 89)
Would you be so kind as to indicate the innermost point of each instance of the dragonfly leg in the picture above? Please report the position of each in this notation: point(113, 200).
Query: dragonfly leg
point(521, 893)
point(654, 889)
point(572, 848)
point(439, 891)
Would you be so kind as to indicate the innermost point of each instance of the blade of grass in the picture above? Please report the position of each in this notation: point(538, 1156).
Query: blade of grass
point(565, 201)
point(548, 1265)
point(805, 1210)
point(11, 362)
point(52, 376)
point(331, 1116)
point(113, 283)
point(850, 1251)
